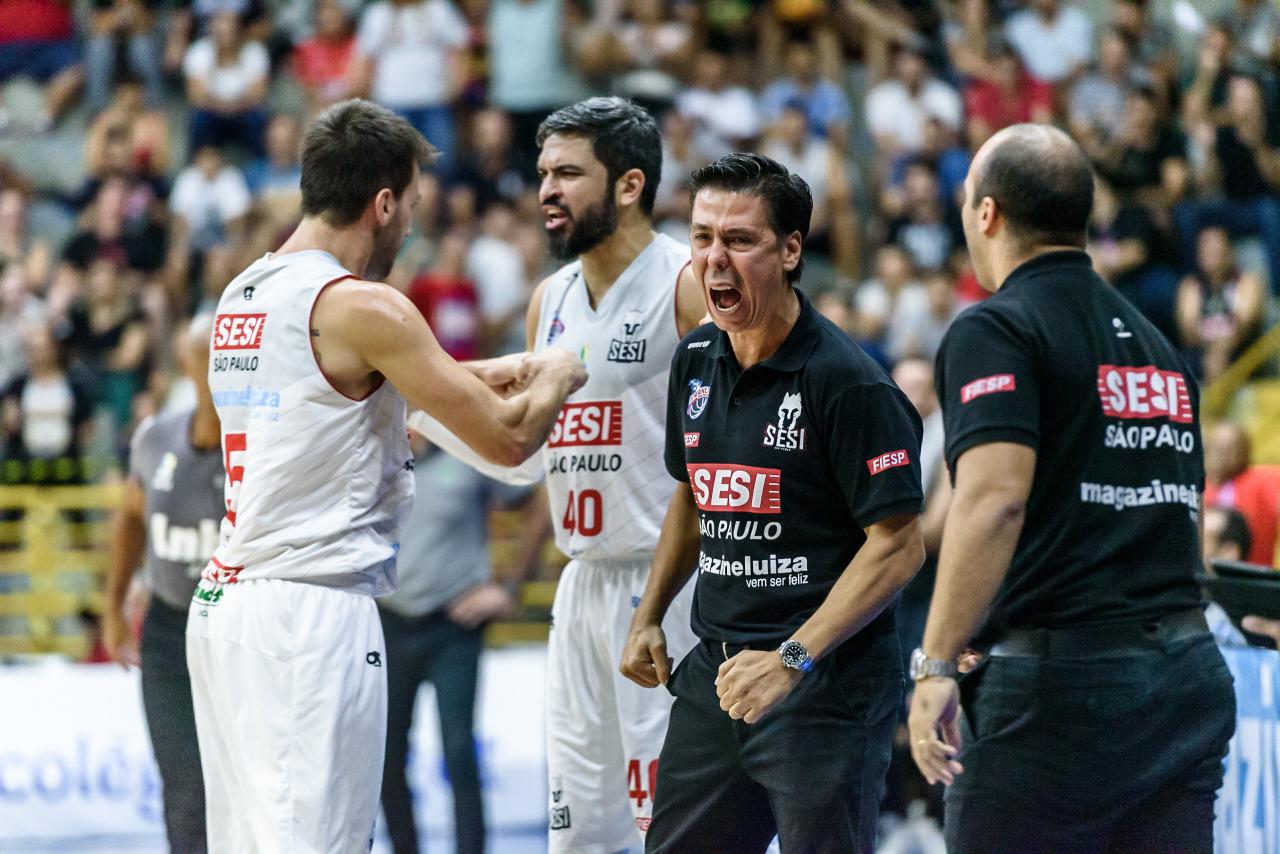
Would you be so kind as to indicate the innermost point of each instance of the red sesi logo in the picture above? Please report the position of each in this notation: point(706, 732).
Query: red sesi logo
point(888, 460)
point(589, 423)
point(736, 489)
point(691, 439)
point(987, 385)
point(1145, 392)
point(238, 331)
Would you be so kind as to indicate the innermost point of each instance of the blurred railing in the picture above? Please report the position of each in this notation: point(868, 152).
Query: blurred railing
point(1249, 393)
point(54, 553)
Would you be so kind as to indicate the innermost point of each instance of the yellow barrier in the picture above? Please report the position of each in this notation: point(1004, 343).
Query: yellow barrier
point(54, 553)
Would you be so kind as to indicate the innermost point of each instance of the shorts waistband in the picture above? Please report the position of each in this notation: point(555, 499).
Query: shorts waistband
point(617, 561)
point(1100, 640)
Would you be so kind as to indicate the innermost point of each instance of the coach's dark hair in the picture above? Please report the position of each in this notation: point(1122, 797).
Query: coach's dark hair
point(1235, 529)
point(350, 152)
point(623, 136)
point(787, 198)
point(1042, 183)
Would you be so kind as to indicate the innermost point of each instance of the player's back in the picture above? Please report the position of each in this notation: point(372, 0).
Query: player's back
point(317, 482)
point(605, 478)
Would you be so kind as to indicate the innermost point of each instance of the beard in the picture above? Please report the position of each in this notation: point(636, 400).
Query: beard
point(586, 232)
point(386, 246)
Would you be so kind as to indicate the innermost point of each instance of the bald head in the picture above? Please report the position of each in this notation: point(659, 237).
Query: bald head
point(1040, 181)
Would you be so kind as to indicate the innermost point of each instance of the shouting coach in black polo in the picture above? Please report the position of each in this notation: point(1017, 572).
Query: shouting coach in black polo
point(1099, 714)
point(798, 462)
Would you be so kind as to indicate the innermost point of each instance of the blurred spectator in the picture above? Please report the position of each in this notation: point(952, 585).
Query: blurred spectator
point(1226, 535)
point(38, 40)
point(1220, 308)
point(943, 154)
point(413, 62)
point(1125, 244)
point(210, 199)
point(46, 415)
point(1005, 94)
point(1144, 156)
point(892, 290)
point(494, 263)
point(898, 107)
point(128, 138)
point(926, 228)
point(1231, 480)
point(832, 230)
point(19, 310)
point(420, 251)
point(1238, 156)
point(1054, 39)
point(133, 23)
point(1152, 42)
point(529, 75)
point(275, 183)
point(325, 63)
point(1255, 26)
point(226, 76)
point(672, 205)
point(29, 257)
point(488, 164)
point(645, 52)
point(725, 116)
point(1096, 105)
point(449, 301)
point(916, 328)
point(107, 333)
point(823, 102)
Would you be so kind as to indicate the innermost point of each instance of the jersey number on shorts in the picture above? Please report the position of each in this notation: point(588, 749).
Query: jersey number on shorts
point(584, 513)
point(635, 783)
point(234, 444)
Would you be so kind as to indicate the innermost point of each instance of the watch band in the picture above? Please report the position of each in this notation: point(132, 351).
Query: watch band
point(923, 667)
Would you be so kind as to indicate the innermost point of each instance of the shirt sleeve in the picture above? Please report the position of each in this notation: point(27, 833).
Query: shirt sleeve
point(673, 454)
point(873, 444)
point(139, 459)
point(988, 383)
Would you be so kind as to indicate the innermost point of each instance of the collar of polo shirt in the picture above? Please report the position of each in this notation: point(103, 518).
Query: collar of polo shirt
point(795, 349)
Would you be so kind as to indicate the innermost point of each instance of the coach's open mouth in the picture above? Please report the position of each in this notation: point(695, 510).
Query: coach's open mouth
point(725, 298)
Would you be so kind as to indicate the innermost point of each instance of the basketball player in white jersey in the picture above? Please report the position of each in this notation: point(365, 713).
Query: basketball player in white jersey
point(623, 305)
point(310, 357)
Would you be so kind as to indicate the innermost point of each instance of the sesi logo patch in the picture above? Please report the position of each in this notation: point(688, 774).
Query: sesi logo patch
point(888, 460)
point(987, 385)
point(597, 422)
point(721, 488)
point(1145, 392)
point(691, 439)
point(238, 331)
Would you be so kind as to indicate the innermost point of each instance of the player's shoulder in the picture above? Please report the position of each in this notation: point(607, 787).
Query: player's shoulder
point(159, 431)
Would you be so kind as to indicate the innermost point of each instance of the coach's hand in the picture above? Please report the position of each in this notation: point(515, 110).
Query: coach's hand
point(644, 658)
point(482, 604)
point(935, 729)
point(118, 639)
point(751, 683)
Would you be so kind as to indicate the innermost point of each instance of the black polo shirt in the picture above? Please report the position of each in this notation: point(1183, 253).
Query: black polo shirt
point(788, 462)
point(1057, 360)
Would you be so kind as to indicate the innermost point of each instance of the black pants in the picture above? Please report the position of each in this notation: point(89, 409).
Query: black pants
point(171, 721)
point(811, 771)
point(432, 649)
point(1118, 753)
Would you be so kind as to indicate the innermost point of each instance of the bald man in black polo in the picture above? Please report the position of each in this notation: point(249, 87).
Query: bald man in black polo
point(1099, 714)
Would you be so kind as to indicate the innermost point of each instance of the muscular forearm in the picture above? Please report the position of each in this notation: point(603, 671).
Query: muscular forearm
point(530, 414)
point(673, 561)
point(882, 567)
point(977, 546)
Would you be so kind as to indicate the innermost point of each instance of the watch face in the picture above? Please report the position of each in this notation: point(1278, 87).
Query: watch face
point(793, 654)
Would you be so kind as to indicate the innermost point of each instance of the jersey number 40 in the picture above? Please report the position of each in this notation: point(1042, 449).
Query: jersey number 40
point(584, 513)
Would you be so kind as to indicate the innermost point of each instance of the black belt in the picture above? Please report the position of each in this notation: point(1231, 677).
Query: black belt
point(1100, 640)
point(728, 650)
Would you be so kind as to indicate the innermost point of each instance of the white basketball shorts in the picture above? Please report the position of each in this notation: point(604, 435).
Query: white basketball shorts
point(290, 691)
point(604, 732)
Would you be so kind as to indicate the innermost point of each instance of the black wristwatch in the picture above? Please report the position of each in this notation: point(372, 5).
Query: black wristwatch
point(795, 656)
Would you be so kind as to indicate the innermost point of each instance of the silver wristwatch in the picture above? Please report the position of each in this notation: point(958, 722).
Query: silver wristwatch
point(923, 667)
point(796, 656)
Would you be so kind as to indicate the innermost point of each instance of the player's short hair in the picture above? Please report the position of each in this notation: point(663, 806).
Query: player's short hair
point(623, 136)
point(1042, 184)
point(350, 152)
point(788, 201)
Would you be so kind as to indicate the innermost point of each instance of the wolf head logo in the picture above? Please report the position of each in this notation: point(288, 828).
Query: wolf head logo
point(789, 411)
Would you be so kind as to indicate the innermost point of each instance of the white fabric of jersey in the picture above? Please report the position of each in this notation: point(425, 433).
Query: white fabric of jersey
point(290, 693)
point(317, 482)
point(613, 472)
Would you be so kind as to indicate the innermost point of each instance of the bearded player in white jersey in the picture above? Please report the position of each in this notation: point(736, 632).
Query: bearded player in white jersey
point(310, 357)
point(623, 305)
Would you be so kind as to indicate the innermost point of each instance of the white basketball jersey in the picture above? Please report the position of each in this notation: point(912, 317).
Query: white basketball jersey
point(606, 481)
point(317, 482)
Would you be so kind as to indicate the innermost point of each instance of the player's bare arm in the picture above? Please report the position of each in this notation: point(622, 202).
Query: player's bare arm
point(362, 331)
point(983, 525)
point(754, 681)
point(128, 546)
point(691, 303)
point(645, 660)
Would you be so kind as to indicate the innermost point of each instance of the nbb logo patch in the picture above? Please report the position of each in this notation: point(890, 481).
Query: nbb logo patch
point(987, 385)
point(889, 460)
point(588, 423)
point(238, 331)
point(1145, 392)
point(736, 489)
